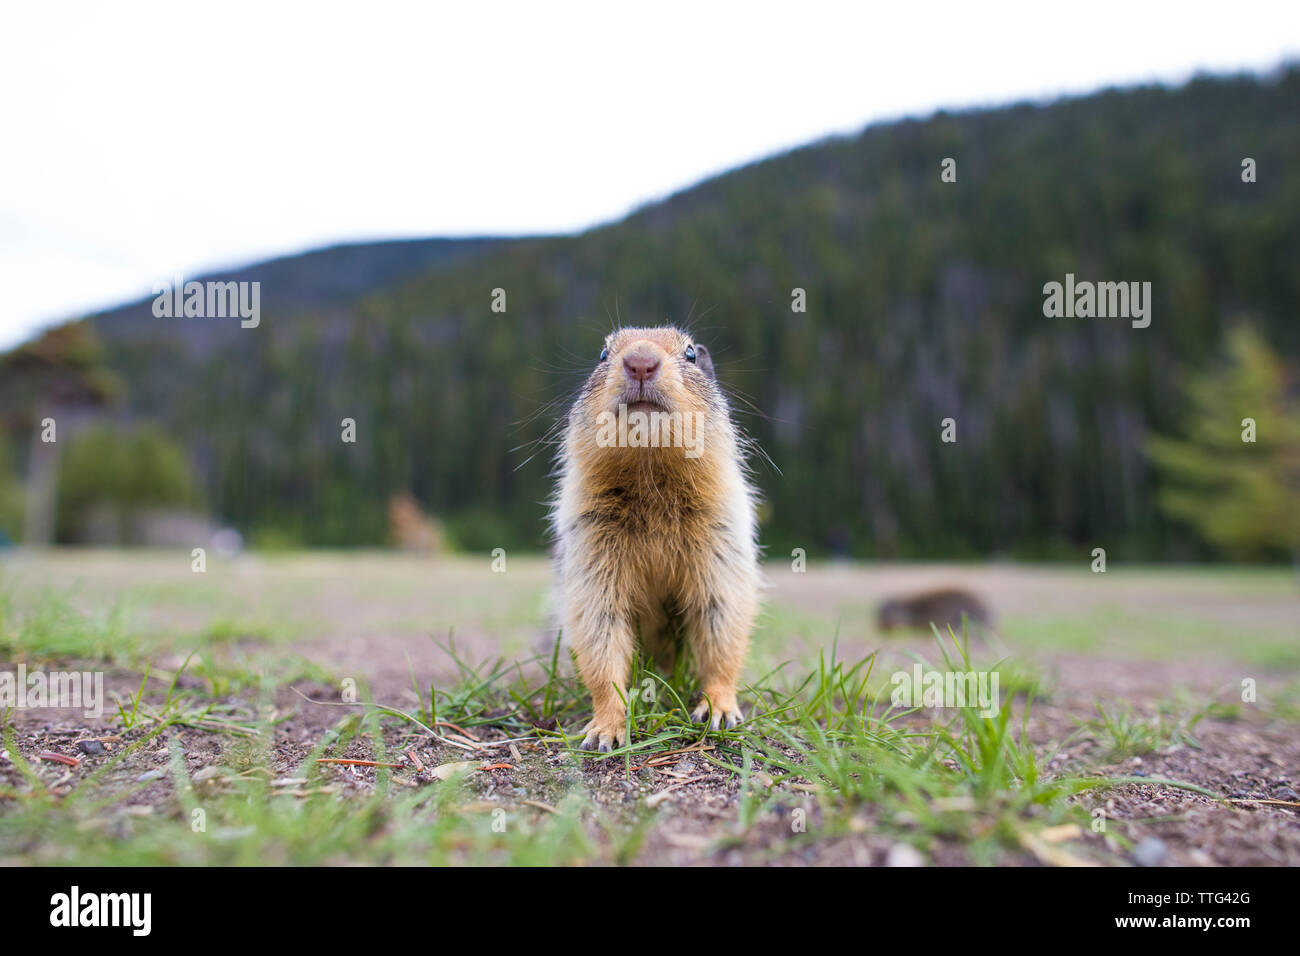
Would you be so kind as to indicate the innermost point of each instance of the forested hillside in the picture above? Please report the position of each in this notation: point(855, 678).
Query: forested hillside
point(924, 302)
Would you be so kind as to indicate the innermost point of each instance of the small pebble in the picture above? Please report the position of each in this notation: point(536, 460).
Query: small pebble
point(149, 775)
point(92, 747)
point(904, 854)
point(1150, 852)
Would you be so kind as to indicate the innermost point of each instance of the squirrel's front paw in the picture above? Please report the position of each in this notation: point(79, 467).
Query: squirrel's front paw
point(604, 735)
point(725, 710)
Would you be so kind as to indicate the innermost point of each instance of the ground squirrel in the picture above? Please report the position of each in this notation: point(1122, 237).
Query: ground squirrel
point(654, 521)
point(409, 528)
point(942, 607)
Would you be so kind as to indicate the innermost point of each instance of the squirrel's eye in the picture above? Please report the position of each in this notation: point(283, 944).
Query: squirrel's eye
point(690, 353)
point(604, 353)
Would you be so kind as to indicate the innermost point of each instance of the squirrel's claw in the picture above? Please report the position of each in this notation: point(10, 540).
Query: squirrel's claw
point(732, 715)
point(603, 739)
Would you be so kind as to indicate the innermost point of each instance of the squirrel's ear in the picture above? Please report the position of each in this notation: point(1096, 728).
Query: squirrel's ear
point(704, 362)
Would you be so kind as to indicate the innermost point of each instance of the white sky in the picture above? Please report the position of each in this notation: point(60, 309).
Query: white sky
point(142, 140)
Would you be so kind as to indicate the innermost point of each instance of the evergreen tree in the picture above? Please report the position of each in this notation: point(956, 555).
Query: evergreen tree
point(1236, 475)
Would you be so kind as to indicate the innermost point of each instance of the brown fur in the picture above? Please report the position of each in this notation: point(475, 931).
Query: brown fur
point(410, 528)
point(943, 607)
point(648, 538)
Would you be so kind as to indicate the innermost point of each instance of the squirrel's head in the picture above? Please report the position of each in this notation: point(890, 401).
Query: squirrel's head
point(661, 369)
point(657, 375)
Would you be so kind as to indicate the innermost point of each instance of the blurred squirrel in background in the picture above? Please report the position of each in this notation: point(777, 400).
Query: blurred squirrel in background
point(943, 607)
point(409, 528)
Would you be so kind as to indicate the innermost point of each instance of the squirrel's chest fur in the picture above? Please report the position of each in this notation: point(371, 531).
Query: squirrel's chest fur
point(650, 535)
point(656, 533)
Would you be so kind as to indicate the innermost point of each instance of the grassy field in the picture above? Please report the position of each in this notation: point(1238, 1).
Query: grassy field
point(1121, 734)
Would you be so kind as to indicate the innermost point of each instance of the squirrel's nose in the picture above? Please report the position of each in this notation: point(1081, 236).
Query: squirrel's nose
point(641, 366)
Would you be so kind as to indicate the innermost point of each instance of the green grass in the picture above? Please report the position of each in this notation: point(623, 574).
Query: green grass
point(829, 745)
point(54, 629)
point(824, 755)
point(245, 819)
point(1159, 635)
point(1125, 733)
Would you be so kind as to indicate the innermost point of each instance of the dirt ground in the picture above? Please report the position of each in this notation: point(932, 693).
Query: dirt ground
point(1150, 641)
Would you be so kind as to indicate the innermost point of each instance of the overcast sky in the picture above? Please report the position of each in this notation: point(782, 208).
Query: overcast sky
point(140, 140)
